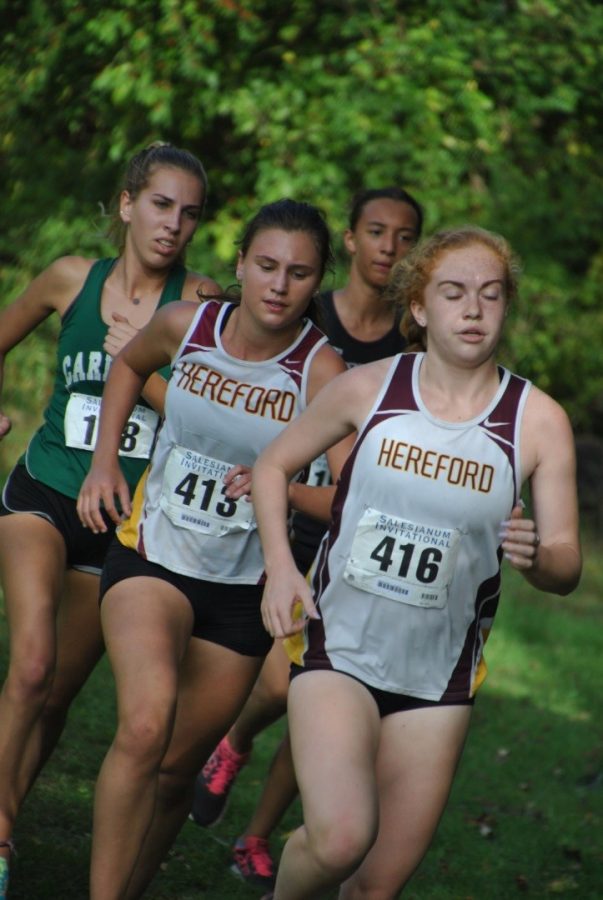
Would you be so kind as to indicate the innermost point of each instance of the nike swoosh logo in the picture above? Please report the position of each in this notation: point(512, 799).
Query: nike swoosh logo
point(489, 424)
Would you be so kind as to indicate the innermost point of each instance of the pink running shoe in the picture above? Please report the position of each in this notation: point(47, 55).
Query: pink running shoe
point(214, 782)
point(253, 863)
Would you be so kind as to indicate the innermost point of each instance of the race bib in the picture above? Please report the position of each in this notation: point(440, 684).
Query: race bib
point(193, 495)
point(319, 474)
point(402, 560)
point(81, 427)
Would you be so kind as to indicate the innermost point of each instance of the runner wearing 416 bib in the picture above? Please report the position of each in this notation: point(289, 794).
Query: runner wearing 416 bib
point(406, 582)
point(408, 536)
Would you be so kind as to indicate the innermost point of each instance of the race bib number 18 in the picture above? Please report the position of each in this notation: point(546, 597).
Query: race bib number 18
point(81, 427)
point(402, 560)
point(193, 495)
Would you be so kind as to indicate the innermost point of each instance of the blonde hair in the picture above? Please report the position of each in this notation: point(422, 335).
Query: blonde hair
point(411, 274)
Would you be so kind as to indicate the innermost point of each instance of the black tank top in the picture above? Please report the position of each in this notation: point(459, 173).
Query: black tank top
point(353, 351)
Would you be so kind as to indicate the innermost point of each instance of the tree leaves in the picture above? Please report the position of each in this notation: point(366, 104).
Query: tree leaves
point(489, 112)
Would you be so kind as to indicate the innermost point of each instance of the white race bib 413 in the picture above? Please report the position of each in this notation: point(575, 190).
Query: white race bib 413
point(193, 495)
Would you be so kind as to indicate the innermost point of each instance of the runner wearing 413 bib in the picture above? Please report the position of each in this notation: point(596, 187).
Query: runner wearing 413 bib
point(222, 412)
point(182, 584)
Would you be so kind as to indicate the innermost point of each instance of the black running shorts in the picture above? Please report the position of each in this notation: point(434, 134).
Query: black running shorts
point(23, 494)
point(225, 614)
point(387, 701)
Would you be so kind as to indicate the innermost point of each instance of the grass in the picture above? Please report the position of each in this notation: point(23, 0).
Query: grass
point(526, 813)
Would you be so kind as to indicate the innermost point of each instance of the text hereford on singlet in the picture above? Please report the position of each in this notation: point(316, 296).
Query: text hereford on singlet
point(435, 465)
point(271, 403)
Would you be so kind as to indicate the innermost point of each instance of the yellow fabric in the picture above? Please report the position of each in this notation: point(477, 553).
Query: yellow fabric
point(294, 645)
point(127, 532)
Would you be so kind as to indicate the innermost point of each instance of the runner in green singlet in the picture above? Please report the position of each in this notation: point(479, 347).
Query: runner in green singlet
point(49, 564)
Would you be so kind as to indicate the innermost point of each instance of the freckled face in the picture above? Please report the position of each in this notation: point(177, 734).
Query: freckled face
point(464, 304)
point(386, 230)
point(163, 216)
point(279, 274)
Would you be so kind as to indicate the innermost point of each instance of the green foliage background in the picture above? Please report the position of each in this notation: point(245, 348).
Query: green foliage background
point(488, 110)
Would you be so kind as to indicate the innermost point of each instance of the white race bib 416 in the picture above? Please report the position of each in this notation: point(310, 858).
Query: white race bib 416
point(405, 561)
